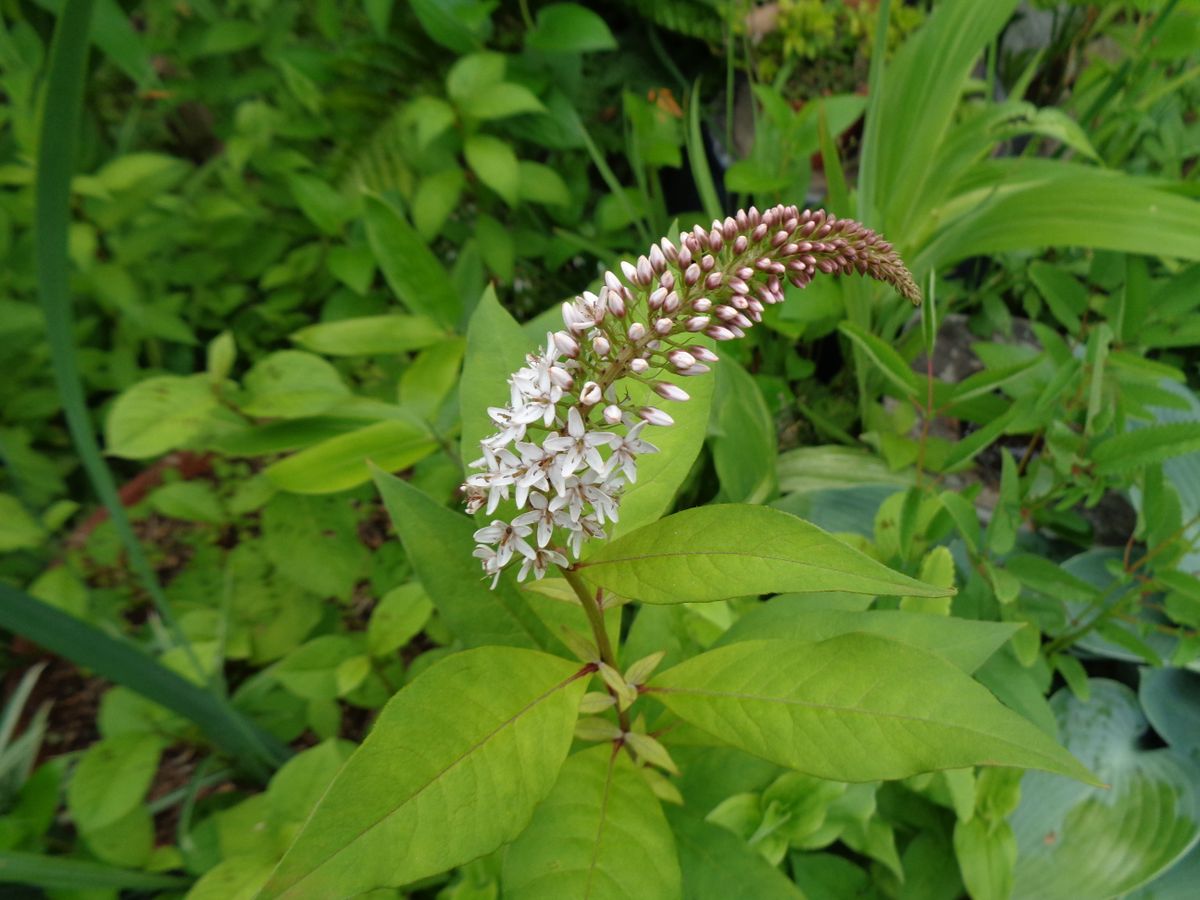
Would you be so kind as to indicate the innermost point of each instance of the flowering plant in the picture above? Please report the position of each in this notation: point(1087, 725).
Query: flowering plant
point(541, 746)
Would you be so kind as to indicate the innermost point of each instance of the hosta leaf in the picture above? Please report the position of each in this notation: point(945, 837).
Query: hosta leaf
point(965, 643)
point(453, 768)
point(853, 708)
point(729, 550)
point(1076, 841)
point(600, 834)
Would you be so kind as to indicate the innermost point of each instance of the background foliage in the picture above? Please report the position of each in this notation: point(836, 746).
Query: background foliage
point(292, 238)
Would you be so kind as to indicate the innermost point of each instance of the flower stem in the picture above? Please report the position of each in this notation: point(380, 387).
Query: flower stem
point(596, 619)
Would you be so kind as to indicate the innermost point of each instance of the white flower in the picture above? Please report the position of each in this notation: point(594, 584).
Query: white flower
point(578, 445)
point(508, 538)
point(585, 529)
point(538, 562)
point(510, 428)
point(545, 514)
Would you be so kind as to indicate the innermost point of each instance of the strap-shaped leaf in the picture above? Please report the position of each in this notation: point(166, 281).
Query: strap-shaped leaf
point(600, 835)
point(854, 708)
point(721, 551)
point(452, 769)
point(965, 643)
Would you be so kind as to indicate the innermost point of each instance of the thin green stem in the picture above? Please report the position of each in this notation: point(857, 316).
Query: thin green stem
point(595, 617)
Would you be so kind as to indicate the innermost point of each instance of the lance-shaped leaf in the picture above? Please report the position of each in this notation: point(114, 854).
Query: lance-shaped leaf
point(857, 707)
point(601, 834)
point(453, 768)
point(965, 643)
point(496, 347)
point(439, 543)
point(721, 551)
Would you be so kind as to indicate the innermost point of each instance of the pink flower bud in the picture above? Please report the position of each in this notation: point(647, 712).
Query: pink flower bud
point(601, 345)
point(738, 286)
point(645, 272)
point(667, 280)
point(613, 282)
point(566, 344)
point(560, 377)
point(692, 275)
point(655, 416)
point(658, 261)
point(713, 281)
point(720, 333)
point(629, 271)
point(663, 326)
point(668, 250)
point(715, 239)
point(669, 391)
point(590, 395)
point(612, 414)
point(725, 313)
point(739, 301)
point(681, 359)
point(671, 305)
point(759, 232)
point(638, 366)
point(740, 244)
point(703, 354)
point(701, 304)
point(696, 323)
point(616, 304)
point(637, 331)
point(707, 262)
point(685, 257)
point(697, 369)
point(655, 300)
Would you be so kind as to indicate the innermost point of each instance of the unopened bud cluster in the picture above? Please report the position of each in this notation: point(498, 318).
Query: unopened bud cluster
point(568, 441)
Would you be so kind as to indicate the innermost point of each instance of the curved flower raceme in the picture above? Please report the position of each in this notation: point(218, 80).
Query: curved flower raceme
point(568, 442)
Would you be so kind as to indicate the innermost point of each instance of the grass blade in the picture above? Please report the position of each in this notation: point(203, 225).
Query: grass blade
point(56, 156)
point(698, 159)
point(119, 662)
point(65, 874)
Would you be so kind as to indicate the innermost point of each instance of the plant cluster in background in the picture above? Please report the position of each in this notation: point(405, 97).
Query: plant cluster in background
point(307, 245)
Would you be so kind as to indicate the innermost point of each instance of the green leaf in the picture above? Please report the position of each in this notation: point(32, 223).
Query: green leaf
point(291, 384)
point(313, 541)
point(496, 347)
point(600, 834)
point(729, 550)
point(496, 165)
point(1145, 446)
point(853, 708)
point(452, 769)
point(473, 73)
point(413, 273)
point(742, 436)
point(115, 35)
point(18, 529)
point(1077, 841)
point(370, 335)
point(1061, 290)
point(569, 28)
point(159, 414)
point(341, 462)
point(323, 205)
point(500, 100)
point(191, 501)
point(718, 865)
point(398, 618)
point(112, 778)
point(436, 197)
point(542, 184)
point(986, 855)
point(885, 358)
point(311, 670)
point(439, 542)
point(457, 25)
point(965, 643)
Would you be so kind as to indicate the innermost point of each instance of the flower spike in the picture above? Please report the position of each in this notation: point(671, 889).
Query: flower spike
point(718, 281)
